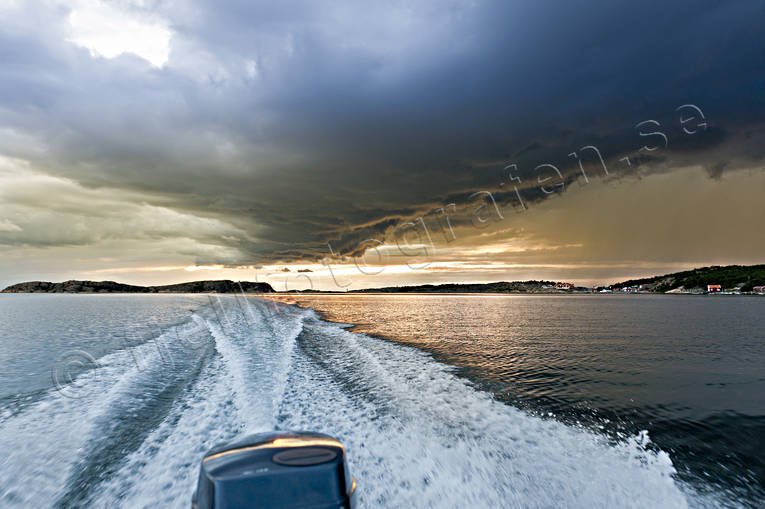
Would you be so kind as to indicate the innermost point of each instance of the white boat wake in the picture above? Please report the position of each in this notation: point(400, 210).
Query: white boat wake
point(416, 434)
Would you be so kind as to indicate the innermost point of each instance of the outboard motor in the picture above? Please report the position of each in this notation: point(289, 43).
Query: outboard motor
point(276, 470)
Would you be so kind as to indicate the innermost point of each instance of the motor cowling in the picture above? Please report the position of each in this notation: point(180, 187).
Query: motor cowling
point(276, 470)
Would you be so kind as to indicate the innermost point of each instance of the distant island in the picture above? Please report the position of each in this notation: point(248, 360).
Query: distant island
point(500, 287)
point(735, 279)
point(729, 278)
point(222, 286)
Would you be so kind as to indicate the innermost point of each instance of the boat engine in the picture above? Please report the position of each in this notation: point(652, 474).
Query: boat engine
point(276, 470)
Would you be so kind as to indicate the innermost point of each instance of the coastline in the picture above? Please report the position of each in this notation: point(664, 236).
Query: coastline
point(717, 280)
point(419, 294)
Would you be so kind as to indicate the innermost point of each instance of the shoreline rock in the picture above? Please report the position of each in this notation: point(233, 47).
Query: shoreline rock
point(76, 286)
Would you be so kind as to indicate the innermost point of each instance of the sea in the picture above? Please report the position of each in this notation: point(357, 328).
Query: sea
point(442, 401)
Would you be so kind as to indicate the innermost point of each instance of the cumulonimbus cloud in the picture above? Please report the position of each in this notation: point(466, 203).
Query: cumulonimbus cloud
point(282, 127)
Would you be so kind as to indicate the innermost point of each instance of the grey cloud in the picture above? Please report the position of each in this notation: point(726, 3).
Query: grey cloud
point(298, 124)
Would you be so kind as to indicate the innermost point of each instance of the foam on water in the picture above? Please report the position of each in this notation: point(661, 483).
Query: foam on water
point(416, 435)
point(45, 444)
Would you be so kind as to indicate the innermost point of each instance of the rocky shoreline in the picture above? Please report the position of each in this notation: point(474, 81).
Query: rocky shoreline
point(74, 286)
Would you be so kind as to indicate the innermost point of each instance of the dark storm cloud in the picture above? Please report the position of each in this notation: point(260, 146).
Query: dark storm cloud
point(303, 123)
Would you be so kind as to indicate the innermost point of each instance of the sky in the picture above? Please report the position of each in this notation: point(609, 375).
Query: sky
point(351, 144)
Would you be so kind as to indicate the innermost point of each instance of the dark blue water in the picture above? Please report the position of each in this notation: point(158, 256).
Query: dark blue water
point(471, 402)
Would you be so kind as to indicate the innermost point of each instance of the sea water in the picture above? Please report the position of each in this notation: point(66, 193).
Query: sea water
point(448, 401)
